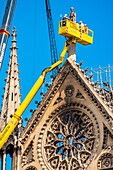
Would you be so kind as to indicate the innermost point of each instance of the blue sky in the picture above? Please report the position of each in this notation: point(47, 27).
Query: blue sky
point(33, 41)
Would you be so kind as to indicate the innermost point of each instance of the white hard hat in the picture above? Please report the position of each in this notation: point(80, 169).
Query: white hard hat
point(65, 15)
point(71, 8)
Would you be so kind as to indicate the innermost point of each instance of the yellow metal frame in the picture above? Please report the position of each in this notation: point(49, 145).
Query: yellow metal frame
point(82, 34)
point(17, 115)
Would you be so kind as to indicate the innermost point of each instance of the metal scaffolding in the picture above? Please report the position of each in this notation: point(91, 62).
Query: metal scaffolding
point(103, 77)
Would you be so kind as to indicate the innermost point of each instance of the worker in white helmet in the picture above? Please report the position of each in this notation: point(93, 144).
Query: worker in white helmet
point(81, 26)
point(72, 15)
point(85, 29)
point(65, 17)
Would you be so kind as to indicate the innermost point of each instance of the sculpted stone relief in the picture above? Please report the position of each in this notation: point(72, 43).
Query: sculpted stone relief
point(70, 139)
point(31, 168)
point(28, 155)
point(105, 161)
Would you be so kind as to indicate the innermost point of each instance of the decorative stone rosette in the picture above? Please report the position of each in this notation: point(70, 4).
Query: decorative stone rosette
point(69, 138)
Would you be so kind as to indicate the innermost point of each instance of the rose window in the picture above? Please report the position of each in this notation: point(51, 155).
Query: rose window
point(70, 140)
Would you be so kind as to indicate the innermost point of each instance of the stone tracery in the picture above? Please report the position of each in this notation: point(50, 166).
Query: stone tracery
point(105, 161)
point(31, 168)
point(69, 140)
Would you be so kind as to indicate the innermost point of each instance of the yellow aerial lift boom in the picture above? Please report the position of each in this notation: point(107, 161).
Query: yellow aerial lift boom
point(17, 115)
point(74, 35)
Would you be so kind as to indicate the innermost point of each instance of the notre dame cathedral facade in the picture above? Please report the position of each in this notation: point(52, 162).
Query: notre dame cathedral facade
point(71, 128)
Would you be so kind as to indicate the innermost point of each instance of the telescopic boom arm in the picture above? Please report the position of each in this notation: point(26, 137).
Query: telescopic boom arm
point(17, 115)
point(5, 28)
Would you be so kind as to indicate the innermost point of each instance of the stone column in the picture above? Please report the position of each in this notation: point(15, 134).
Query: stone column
point(72, 52)
point(14, 159)
point(4, 160)
point(18, 155)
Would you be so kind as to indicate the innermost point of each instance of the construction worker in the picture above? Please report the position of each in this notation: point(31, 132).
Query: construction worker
point(65, 17)
point(81, 26)
point(72, 15)
point(85, 29)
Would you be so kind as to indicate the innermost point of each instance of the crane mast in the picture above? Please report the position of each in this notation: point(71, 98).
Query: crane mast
point(5, 28)
point(53, 48)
